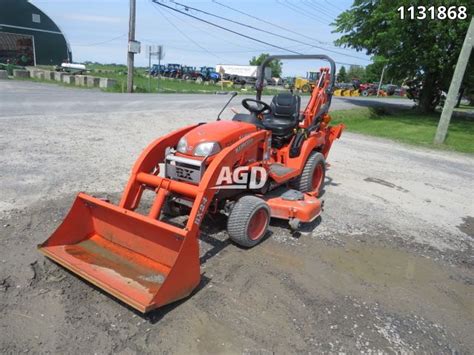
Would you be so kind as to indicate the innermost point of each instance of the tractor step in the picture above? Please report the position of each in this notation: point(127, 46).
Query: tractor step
point(280, 172)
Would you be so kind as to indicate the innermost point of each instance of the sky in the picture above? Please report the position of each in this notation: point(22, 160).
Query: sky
point(97, 31)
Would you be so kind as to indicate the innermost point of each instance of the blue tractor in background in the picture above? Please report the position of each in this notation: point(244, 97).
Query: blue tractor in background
point(208, 74)
point(157, 69)
point(173, 71)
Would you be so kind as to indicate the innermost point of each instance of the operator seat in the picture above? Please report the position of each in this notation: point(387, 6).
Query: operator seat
point(285, 114)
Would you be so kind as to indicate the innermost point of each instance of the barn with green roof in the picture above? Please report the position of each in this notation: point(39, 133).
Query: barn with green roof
point(29, 37)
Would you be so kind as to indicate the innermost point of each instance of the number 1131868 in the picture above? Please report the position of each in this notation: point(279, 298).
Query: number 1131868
point(433, 12)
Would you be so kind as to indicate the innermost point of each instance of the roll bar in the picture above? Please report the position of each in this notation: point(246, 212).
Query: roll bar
point(261, 68)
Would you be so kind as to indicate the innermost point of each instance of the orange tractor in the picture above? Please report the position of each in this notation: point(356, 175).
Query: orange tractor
point(269, 162)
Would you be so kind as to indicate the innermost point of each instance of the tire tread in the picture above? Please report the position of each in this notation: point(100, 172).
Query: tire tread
point(239, 217)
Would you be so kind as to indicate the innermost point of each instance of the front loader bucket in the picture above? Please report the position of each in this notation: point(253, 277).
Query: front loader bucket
point(143, 262)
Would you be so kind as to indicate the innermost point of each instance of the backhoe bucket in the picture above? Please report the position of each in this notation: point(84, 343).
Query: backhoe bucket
point(143, 262)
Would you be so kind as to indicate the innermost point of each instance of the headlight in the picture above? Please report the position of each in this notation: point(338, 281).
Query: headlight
point(206, 149)
point(182, 145)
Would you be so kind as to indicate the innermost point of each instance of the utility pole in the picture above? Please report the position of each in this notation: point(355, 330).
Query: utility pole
point(131, 40)
point(380, 82)
point(161, 54)
point(150, 51)
point(456, 81)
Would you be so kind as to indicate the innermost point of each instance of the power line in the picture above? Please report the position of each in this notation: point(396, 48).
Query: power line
point(185, 35)
point(172, 46)
point(272, 23)
point(315, 6)
point(304, 13)
point(186, 7)
point(208, 33)
point(336, 7)
point(312, 9)
point(234, 32)
point(248, 49)
point(226, 29)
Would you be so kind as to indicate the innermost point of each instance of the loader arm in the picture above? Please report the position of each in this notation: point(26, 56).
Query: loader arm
point(143, 261)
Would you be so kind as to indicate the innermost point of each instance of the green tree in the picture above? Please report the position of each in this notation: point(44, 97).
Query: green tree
point(424, 51)
point(374, 70)
point(342, 75)
point(356, 72)
point(467, 87)
point(275, 65)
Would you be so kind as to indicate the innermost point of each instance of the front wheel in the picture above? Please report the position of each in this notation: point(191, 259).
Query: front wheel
point(312, 177)
point(248, 221)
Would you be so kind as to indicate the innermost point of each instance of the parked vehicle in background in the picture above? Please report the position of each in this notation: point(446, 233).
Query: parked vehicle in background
point(307, 84)
point(289, 82)
point(389, 89)
point(73, 68)
point(189, 73)
point(400, 91)
point(368, 89)
point(242, 74)
point(157, 69)
point(208, 74)
point(173, 70)
point(274, 81)
point(346, 89)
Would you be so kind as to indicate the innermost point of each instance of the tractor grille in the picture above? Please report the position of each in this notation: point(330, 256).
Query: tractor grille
point(184, 169)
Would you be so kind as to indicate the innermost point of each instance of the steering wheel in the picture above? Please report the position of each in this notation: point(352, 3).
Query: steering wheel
point(256, 106)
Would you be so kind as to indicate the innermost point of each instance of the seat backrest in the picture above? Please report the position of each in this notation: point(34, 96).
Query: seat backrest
point(286, 105)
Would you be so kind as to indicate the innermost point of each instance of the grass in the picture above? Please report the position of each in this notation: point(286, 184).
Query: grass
point(408, 126)
point(165, 85)
point(144, 85)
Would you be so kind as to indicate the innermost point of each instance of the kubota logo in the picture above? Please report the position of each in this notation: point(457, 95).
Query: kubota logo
point(244, 177)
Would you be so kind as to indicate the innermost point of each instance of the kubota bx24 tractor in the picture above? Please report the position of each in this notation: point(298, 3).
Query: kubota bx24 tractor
point(267, 163)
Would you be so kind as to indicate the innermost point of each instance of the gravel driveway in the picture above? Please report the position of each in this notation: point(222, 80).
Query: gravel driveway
point(387, 267)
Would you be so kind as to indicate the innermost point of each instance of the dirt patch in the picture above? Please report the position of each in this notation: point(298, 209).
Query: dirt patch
point(308, 293)
point(385, 183)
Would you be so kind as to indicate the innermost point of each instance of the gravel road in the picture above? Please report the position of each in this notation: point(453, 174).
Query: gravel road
point(387, 267)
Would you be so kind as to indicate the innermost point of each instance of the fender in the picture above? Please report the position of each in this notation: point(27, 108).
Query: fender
point(314, 141)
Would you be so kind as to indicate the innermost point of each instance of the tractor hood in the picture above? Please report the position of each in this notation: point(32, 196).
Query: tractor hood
point(218, 135)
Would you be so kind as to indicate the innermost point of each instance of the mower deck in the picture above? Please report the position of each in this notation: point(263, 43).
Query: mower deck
point(292, 204)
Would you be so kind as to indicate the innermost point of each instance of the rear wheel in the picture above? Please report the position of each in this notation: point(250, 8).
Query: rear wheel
point(248, 221)
point(305, 88)
point(312, 177)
